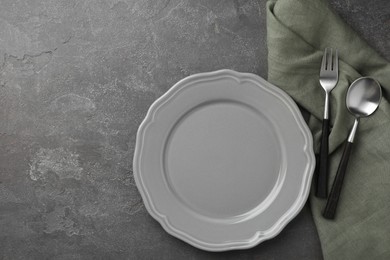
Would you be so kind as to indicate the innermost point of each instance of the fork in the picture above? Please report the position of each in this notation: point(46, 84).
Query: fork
point(328, 80)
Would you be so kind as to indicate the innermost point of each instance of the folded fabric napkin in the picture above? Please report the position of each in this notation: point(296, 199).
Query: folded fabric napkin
point(298, 32)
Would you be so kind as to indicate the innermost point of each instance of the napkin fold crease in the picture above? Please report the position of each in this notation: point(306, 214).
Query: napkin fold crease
point(297, 33)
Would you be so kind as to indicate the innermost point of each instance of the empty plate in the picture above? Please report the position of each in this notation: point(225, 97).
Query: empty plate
point(224, 160)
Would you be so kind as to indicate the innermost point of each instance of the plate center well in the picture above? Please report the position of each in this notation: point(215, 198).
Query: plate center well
point(223, 159)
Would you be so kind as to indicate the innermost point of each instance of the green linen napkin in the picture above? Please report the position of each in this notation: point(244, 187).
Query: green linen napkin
point(298, 31)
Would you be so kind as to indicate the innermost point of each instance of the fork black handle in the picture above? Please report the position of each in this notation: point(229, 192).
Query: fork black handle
point(322, 180)
point(331, 205)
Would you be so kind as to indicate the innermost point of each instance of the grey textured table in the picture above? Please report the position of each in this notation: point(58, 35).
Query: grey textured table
point(76, 80)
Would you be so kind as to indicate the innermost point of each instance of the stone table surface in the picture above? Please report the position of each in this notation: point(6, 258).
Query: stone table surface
point(76, 80)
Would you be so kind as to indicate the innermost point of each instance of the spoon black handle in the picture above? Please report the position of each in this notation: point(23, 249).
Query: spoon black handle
point(322, 180)
point(333, 199)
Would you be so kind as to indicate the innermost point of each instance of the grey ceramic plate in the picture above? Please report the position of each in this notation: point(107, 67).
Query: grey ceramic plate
point(224, 160)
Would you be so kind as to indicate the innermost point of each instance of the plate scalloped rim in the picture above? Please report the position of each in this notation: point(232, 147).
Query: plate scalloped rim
point(259, 236)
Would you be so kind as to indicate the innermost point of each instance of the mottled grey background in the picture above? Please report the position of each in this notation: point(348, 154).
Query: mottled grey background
point(76, 80)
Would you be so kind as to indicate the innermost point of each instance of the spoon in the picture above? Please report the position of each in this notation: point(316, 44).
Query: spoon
point(363, 98)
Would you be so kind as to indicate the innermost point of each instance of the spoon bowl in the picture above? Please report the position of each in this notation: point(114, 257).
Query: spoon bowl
point(363, 97)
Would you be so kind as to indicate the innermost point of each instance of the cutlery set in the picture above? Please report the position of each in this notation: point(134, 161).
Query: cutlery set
point(214, 171)
point(363, 98)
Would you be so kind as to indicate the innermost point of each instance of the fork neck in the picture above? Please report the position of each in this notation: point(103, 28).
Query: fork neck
point(326, 107)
